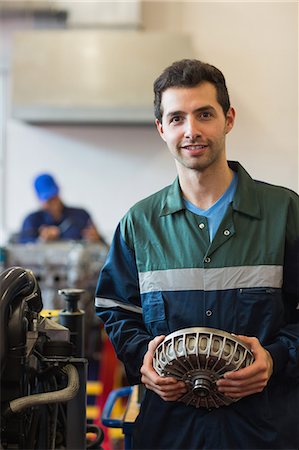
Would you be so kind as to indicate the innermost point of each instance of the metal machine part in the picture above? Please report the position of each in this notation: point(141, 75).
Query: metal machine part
point(199, 357)
point(43, 375)
point(56, 265)
point(73, 318)
point(59, 264)
point(64, 395)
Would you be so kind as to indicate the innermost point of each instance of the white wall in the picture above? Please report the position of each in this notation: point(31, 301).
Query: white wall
point(255, 44)
point(106, 169)
point(257, 49)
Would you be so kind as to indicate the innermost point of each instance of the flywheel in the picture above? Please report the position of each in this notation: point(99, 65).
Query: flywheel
point(199, 357)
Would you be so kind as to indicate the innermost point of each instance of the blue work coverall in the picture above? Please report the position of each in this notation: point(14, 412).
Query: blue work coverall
point(163, 274)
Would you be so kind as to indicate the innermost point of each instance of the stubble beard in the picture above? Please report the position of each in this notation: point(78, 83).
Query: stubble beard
point(202, 162)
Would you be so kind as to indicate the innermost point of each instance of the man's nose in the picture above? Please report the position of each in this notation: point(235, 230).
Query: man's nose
point(192, 129)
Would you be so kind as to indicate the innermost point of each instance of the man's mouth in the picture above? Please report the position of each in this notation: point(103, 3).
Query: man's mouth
point(194, 147)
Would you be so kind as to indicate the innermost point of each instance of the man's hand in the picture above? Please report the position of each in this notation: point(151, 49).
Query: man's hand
point(90, 233)
point(49, 233)
point(168, 388)
point(251, 379)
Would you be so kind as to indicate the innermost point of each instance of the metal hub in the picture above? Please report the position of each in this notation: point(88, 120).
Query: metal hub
point(202, 387)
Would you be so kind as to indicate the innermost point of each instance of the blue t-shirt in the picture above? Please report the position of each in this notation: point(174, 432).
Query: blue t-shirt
point(216, 212)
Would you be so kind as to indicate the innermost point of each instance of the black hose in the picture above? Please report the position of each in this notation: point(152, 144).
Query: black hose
point(94, 444)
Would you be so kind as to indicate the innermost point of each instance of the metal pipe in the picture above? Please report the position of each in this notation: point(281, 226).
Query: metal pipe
point(63, 395)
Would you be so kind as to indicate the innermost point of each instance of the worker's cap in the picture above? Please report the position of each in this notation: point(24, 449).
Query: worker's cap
point(45, 187)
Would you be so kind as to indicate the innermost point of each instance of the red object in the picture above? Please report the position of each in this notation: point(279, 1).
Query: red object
point(107, 372)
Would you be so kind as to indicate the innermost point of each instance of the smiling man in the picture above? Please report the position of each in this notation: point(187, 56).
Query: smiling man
point(215, 249)
point(194, 127)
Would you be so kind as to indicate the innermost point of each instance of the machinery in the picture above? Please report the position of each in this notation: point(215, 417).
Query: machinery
point(199, 357)
point(75, 264)
point(43, 369)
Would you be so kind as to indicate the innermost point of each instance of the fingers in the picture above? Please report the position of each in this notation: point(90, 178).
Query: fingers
point(168, 388)
point(153, 344)
point(49, 233)
point(251, 379)
point(148, 373)
point(90, 233)
point(169, 396)
point(238, 389)
point(252, 342)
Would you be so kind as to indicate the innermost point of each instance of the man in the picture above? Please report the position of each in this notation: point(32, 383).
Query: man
point(55, 221)
point(215, 249)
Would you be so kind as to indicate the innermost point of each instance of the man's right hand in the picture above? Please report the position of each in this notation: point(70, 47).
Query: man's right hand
point(49, 233)
point(168, 388)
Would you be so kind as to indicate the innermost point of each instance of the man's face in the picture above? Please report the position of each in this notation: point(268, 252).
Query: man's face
point(53, 206)
point(194, 126)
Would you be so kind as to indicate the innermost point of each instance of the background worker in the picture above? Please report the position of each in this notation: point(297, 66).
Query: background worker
point(215, 249)
point(56, 221)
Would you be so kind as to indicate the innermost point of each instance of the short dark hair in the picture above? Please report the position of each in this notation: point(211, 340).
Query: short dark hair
point(190, 73)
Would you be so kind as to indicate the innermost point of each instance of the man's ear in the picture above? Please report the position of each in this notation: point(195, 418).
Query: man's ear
point(230, 119)
point(160, 129)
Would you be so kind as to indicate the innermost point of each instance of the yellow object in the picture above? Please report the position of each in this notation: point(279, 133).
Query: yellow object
point(94, 388)
point(92, 412)
point(50, 313)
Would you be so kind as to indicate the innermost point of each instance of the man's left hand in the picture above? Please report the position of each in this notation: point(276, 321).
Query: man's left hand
point(90, 234)
point(251, 379)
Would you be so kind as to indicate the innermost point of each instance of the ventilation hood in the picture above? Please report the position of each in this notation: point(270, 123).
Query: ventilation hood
point(90, 76)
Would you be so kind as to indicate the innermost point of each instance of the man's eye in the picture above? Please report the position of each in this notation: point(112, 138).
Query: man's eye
point(175, 119)
point(205, 115)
